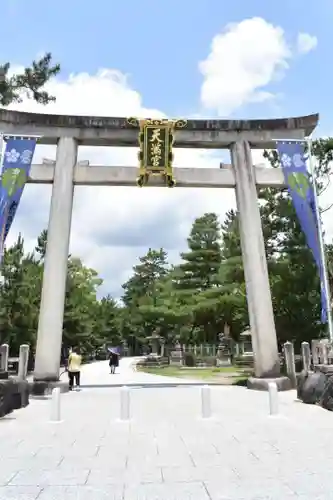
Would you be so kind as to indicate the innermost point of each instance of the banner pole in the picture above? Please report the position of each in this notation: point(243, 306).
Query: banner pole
point(2, 151)
point(321, 243)
point(2, 246)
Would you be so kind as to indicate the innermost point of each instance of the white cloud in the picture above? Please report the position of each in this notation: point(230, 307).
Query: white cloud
point(243, 59)
point(306, 43)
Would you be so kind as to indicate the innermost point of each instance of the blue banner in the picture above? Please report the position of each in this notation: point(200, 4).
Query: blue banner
point(17, 159)
point(296, 176)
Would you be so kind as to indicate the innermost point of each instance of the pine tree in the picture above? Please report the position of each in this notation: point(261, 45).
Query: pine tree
point(30, 82)
point(80, 304)
point(40, 248)
point(19, 296)
point(232, 269)
point(201, 263)
point(231, 244)
point(153, 266)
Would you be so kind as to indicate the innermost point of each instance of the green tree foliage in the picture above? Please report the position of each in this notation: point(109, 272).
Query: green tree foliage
point(152, 267)
point(197, 281)
point(165, 313)
point(201, 263)
point(141, 293)
point(80, 304)
point(107, 327)
point(20, 296)
point(40, 248)
point(30, 82)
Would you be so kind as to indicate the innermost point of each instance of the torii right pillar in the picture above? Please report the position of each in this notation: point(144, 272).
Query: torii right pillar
point(259, 299)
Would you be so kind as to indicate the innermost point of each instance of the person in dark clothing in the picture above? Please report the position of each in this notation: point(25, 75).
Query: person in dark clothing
point(113, 361)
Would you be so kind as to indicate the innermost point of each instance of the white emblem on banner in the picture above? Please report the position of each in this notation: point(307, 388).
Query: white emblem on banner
point(26, 156)
point(298, 160)
point(12, 156)
point(286, 160)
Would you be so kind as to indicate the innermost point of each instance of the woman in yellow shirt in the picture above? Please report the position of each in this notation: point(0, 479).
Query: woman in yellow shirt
point(74, 368)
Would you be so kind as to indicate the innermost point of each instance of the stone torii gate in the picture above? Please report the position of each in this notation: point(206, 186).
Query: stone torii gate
point(239, 136)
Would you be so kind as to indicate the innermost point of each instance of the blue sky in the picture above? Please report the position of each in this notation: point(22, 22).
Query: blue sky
point(159, 44)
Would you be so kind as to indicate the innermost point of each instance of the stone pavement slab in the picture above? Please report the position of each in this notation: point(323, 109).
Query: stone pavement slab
point(166, 450)
point(98, 373)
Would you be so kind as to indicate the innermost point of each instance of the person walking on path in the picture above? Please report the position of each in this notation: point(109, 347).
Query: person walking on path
point(74, 368)
point(113, 361)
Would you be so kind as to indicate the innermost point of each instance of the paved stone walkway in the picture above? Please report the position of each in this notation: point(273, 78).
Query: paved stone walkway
point(166, 451)
point(99, 374)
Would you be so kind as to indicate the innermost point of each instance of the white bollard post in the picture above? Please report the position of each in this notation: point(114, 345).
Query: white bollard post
point(306, 356)
point(315, 353)
point(55, 405)
point(323, 352)
point(290, 363)
point(23, 361)
point(124, 403)
point(206, 411)
point(4, 355)
point(273, 398)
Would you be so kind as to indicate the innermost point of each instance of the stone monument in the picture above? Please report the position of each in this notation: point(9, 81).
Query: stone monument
point(155, 341)
point(176, 354)
point(14, 391)
point(223, 357)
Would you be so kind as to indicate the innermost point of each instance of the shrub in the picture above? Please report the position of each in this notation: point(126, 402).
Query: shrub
point(189, 359)
point(244, 361)
point(206, 360)
point(153, 361)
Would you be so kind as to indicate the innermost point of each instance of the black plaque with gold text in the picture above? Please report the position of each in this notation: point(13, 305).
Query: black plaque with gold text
point(155, 142)
point(157, 146)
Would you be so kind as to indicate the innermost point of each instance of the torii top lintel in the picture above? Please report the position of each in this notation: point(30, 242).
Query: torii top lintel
point(116, 131)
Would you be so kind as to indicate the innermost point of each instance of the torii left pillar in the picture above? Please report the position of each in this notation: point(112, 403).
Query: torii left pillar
point(50, 326)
